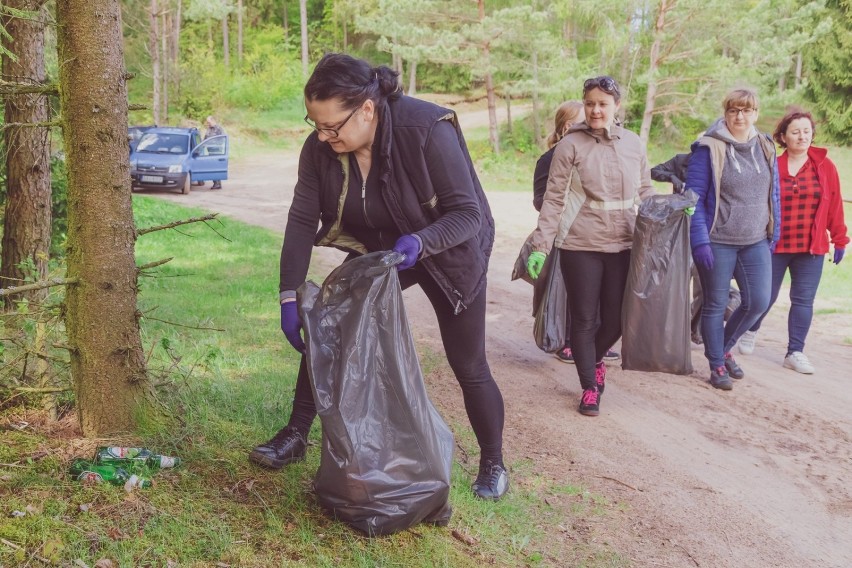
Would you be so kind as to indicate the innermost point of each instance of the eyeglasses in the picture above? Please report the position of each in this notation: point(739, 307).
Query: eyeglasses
point(747, 112)
point(604, 83)
point(331, 132)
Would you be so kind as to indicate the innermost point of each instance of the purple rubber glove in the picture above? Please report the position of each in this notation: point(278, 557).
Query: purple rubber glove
point(291, 325)
point(410, 246)
point(703, 256)
point(838, 255)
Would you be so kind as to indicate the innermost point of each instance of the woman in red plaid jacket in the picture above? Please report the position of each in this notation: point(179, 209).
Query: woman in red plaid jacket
point(811, 215)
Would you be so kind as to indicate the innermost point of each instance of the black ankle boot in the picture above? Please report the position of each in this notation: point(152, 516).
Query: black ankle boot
point(287, 446)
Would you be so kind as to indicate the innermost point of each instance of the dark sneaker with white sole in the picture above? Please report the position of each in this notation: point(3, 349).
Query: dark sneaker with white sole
point(611, 355)
point(492, 482)
point(565, 355)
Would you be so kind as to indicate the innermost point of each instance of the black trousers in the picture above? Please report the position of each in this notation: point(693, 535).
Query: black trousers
point(463, 336)
point(595, 283)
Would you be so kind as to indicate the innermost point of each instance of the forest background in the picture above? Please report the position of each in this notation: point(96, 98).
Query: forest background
point(245, 62)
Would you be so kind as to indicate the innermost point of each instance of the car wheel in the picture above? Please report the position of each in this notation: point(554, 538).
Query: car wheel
point(187, 184)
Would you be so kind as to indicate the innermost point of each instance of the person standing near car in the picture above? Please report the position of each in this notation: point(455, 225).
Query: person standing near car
point(386, 171)
point(213, 129)
point(598, 176)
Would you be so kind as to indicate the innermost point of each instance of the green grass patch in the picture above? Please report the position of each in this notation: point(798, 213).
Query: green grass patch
point(225, 379)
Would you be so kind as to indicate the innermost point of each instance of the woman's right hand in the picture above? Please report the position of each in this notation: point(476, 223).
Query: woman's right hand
point(291, 325)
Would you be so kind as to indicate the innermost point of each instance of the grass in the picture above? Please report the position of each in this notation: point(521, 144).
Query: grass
point(226, 378)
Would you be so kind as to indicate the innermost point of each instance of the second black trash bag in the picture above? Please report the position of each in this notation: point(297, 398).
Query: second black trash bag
point(386, 452)
point(656, 309)
point(550, 305)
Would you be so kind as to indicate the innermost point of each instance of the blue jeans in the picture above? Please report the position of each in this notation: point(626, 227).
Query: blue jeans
point(750, 265)
point(805, 274)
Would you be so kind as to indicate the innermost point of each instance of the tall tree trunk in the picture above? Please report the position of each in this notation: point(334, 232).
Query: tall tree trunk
point(286, 20)
point(493, 135)
point(412, 78)
point(345, 35)
point(226, 43)
point(798, 70)
point(164, 113)
point(154, 49)
point(303, 20)
point(508, 98)
point(107, 360)
point(26, 231)
point(176, 48)
point(653, 66)
point(536, 110)
point(240, 31)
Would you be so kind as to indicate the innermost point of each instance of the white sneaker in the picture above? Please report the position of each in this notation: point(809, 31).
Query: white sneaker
point(746, 342)
point(798, 361)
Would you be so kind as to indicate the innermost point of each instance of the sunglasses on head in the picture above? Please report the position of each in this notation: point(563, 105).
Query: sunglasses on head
point(604, 83)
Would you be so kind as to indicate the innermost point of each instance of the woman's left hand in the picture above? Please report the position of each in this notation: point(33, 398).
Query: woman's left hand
point(410, 246)
point(838, 255)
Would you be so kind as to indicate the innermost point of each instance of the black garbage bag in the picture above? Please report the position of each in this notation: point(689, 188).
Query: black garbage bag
point(550, 305)
point(656, 310)
point(386, 452)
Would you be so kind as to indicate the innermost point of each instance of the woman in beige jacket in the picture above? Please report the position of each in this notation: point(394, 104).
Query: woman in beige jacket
point(598, 177)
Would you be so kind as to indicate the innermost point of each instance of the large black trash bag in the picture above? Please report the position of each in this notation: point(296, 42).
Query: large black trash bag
point(550, 305)
point(656, 310)
point(386, 452)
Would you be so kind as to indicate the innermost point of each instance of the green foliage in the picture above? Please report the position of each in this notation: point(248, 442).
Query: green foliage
point(829, 85)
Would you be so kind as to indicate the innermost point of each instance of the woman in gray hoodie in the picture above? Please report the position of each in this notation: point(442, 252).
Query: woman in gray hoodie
point(734, 172)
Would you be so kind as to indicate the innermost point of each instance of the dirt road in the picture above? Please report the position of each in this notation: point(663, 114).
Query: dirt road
point(756, 477)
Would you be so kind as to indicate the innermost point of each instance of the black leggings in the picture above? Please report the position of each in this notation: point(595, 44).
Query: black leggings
point(463, 336)
point(595, 283)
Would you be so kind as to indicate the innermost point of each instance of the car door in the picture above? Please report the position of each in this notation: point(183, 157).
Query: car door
point(209, 160)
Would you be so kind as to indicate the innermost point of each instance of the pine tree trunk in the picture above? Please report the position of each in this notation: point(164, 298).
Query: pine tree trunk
point(240, 31)
point(653, 66)
point(154, 49)
point(493, 135)
point(164, 113)
point(107, 360)
point(26, 231)
point(412, 78)
point(303, 19)
point(226, 43)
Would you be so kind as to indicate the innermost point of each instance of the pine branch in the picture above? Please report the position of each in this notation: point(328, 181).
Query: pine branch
point(8, 88)
point(174, 224)
point(48, 124)
point(37, 286)
point(154, 264)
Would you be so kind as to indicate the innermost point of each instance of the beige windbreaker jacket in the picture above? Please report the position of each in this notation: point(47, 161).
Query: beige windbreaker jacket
point(596, 182)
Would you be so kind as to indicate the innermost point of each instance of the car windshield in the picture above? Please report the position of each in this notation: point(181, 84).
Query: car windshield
point(158, 143)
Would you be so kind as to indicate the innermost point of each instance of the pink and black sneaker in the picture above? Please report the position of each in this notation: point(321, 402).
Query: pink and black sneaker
point(590, 402)
point(600, 376)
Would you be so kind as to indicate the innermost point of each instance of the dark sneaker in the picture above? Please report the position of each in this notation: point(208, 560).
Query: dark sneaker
point(287, 446)
point(216, 186)
point(734, 370)
point(590, 403)
point(611, 356)
point(720, 380)
point(565, 355)
point(492, 481)
point(600, 376)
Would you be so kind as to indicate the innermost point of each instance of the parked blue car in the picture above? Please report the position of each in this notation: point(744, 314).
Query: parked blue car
point(173, 158)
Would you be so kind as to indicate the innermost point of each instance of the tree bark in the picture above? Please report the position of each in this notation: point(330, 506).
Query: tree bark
point(226, 43)
point(536, 112)
point(27, 223)
point(412, 78)
point(493, 135)
point(240, 31)
point(154, 49)
point(653, 66)
point(303, 20)
point(798, 70)
point(107, 359)
point(164, 113)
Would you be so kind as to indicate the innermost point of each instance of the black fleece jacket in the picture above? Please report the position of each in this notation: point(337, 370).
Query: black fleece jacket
point(427, 182)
